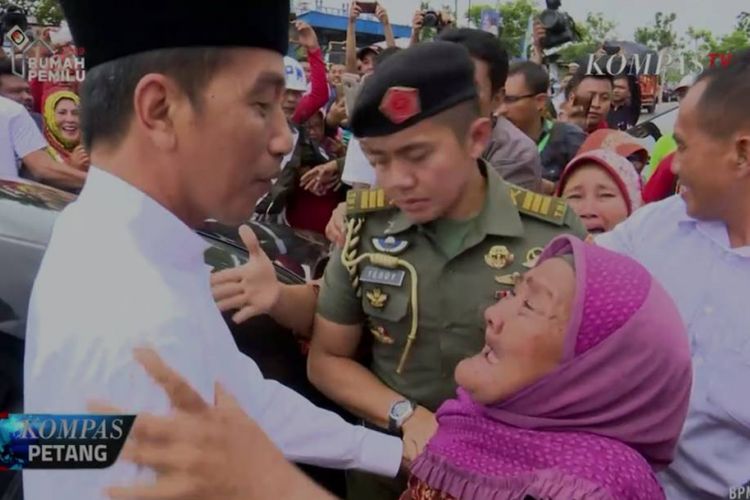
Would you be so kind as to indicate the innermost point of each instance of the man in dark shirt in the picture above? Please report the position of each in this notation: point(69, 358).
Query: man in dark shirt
point(525, 104)
point(625, 109)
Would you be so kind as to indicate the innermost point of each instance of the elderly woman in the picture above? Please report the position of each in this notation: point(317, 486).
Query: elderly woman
point(62, 128)
point(580, 392)
point(602, 187)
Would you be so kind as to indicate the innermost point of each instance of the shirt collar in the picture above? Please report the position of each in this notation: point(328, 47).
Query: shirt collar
point(157, 231)
point(715, 230)
point(499, 215)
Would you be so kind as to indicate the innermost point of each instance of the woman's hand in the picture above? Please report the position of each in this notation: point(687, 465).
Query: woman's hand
point(321, 179)
point(79, 159)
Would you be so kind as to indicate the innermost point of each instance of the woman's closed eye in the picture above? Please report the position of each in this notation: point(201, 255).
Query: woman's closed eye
point(526, 303)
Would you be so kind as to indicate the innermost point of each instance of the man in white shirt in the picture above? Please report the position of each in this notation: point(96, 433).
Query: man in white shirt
point(21, 141)
point(698, 245)
point(167, 121)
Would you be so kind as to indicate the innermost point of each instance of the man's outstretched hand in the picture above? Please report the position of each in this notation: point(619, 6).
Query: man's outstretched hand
point(251, 289)
point(202, 451)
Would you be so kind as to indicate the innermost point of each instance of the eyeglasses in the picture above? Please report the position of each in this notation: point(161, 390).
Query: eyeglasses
point(510, 99)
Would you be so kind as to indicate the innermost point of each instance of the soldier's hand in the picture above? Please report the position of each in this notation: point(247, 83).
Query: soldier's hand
point(202, 451)
point(252, 289)
point(418, 430)
point(336, 228)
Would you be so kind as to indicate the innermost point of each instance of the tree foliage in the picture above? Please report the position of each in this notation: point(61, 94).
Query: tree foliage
point(45, 11)
point(514, 21)
point(661, 34)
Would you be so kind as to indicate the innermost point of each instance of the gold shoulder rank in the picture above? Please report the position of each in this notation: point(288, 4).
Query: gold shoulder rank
point(361, 201)
point(546, 208)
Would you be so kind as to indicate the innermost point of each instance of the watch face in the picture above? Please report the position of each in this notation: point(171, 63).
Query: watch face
point(401, 408)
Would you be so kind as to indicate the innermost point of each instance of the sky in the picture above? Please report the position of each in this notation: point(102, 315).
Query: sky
point(718, 16)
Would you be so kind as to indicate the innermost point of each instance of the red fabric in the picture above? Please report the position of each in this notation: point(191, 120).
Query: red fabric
point(318, 95)
point(306, 210)
point(662, 183)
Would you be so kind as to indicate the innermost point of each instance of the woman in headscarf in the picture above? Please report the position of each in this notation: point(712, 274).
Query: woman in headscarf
point(580, 392)
point(602, 187)
point(62, 128)
point(621, 143)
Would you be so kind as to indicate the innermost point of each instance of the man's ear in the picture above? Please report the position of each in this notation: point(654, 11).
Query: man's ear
point(479, 136)
point(497, 99)
point(742, 145)
point(540, 100)
point(155, 100)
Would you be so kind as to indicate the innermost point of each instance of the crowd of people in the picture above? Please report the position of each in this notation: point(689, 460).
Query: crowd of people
point(522, 300)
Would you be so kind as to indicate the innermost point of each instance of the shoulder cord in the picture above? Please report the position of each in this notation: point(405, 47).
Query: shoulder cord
point(351, 260)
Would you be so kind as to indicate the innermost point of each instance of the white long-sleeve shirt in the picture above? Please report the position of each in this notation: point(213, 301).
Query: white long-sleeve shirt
point(710, 283)
point(121, 271)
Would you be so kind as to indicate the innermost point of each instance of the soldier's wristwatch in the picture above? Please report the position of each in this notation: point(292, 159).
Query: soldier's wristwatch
point(399, 413)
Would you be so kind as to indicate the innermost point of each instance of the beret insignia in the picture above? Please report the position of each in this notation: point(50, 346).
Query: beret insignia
point(400, 104)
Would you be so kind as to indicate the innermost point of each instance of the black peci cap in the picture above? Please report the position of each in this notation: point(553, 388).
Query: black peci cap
point(412, 85)
point(109, 29)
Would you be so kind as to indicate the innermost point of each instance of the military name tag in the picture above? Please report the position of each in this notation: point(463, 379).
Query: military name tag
point(382, 276)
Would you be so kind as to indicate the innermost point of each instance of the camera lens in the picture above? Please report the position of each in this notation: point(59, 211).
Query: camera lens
point(430, 19)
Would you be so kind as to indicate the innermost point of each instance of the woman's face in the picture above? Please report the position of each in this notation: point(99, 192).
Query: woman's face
point(524, 335)
point(316, 128)
point(595, 198)
point(67, 120)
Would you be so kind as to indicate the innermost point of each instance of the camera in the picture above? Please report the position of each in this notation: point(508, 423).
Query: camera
point(559, 27)
point(433, 19)
point(12, 16)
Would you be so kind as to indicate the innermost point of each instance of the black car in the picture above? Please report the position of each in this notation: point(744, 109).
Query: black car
point(27, 213)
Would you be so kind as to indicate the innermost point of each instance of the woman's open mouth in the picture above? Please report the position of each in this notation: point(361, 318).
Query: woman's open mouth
point(70, 128)
point(596, 230)
point(490, 355)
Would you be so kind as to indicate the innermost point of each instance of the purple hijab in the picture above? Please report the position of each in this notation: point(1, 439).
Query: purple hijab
point(601, 423)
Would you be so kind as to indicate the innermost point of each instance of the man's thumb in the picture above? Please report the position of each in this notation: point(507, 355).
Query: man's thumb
point(249, 239)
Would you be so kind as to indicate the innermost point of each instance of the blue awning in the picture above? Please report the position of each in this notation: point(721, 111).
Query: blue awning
point(332, 22)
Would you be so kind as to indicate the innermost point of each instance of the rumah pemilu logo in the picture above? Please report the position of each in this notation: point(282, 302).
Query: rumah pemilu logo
point(54, 66)
point(654, 64)
point(62, 441)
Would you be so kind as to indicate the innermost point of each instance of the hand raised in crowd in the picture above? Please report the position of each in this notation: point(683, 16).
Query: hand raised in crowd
point(575, 112)
point(321, 179)
point(252, 288)
point(382, 14)
point(336, 227)
point(418, 430)
point(337, 114)
point(417, 22)
point(307, 37)
point(354, 11)
point(79, 159)
point(204, 452)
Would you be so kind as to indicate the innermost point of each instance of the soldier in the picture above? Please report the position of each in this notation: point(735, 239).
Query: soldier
point(424, 256)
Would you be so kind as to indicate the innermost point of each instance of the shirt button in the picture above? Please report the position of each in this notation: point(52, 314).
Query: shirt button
point(709, 310)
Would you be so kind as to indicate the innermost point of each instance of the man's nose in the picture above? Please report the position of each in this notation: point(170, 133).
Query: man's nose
point(281, 141)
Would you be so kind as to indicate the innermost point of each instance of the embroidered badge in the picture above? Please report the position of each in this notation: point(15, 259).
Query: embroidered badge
point(508, 279)
point(377, 298)
point(499, 257)
point(400, 104)
point(390, 245)
point(381, 335)
point(532, 257)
